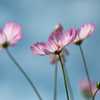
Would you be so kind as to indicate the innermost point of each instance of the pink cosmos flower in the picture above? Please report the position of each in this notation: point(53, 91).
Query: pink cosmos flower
point(58, 27)
point(10, 35)
point(62, 55)
point(57, 41)
point(85, 31)
point(64, 52)
point(85, 89)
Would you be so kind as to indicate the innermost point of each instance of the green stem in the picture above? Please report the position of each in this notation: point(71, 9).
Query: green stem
point(94, 94)
point(24, 74)
point(69, 85)
point(55, 82)
point(64, 77)
point(86, 69)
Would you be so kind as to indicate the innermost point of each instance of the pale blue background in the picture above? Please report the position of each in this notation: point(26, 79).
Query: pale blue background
point(38, 18)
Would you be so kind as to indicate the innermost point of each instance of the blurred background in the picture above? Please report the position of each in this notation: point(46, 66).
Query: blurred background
point(38, 18)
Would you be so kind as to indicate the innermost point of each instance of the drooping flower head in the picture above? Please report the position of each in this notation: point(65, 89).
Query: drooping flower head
point(58, 27)
point(85, 31)
point(85, 89)
point(57, 41)
point(10, 35)
point(62, 55)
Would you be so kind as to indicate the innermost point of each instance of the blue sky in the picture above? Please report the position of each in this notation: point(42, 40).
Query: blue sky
point(38, 18)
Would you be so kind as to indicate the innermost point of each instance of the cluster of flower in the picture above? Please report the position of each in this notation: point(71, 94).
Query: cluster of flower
point(11, 34)
point(58, 40)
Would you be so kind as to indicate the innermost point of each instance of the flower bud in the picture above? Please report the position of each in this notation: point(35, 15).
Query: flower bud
point(98, 85)
point(58, 27)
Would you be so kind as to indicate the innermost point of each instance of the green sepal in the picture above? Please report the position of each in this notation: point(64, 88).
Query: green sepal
point(57, 52)
point(79, 42)
point(5, 45)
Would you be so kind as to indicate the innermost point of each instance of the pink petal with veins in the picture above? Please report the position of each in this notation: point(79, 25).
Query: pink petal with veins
point(56, 37)
point(69, 37)
point(37, 48)
point(50, 48)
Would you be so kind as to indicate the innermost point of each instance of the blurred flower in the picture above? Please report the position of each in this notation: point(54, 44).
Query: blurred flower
point(10, 35)
point(85, 31)
point(85, 89)
point(57, 41)
point(62, 55)
point(58, 27)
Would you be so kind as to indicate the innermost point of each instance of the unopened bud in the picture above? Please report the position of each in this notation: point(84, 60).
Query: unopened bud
point(58, 27)
point(98, 85)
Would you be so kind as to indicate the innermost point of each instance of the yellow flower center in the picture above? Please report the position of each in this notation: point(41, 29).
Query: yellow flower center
point(58, 45)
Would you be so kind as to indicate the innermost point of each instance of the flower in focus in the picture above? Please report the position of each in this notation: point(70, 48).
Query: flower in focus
point(62, 55)
point(57, 41)
point(10, 35)
point(85, 31)
point(85, 89)
point(58, 27)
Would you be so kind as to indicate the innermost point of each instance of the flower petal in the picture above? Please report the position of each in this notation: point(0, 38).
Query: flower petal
point(52, 58)
point(68, 37)
point(14, 41)
point(56, 37)
point(50, 48)
point(77, 36)
point(37, 48)
point(3, 37)
point(86, 30)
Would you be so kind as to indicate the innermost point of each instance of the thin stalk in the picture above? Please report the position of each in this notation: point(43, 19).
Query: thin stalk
point(55, 81)
point(64, 77)
point(69, 85)
point(24, 74)
point(94, 94)
point(86, 69)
